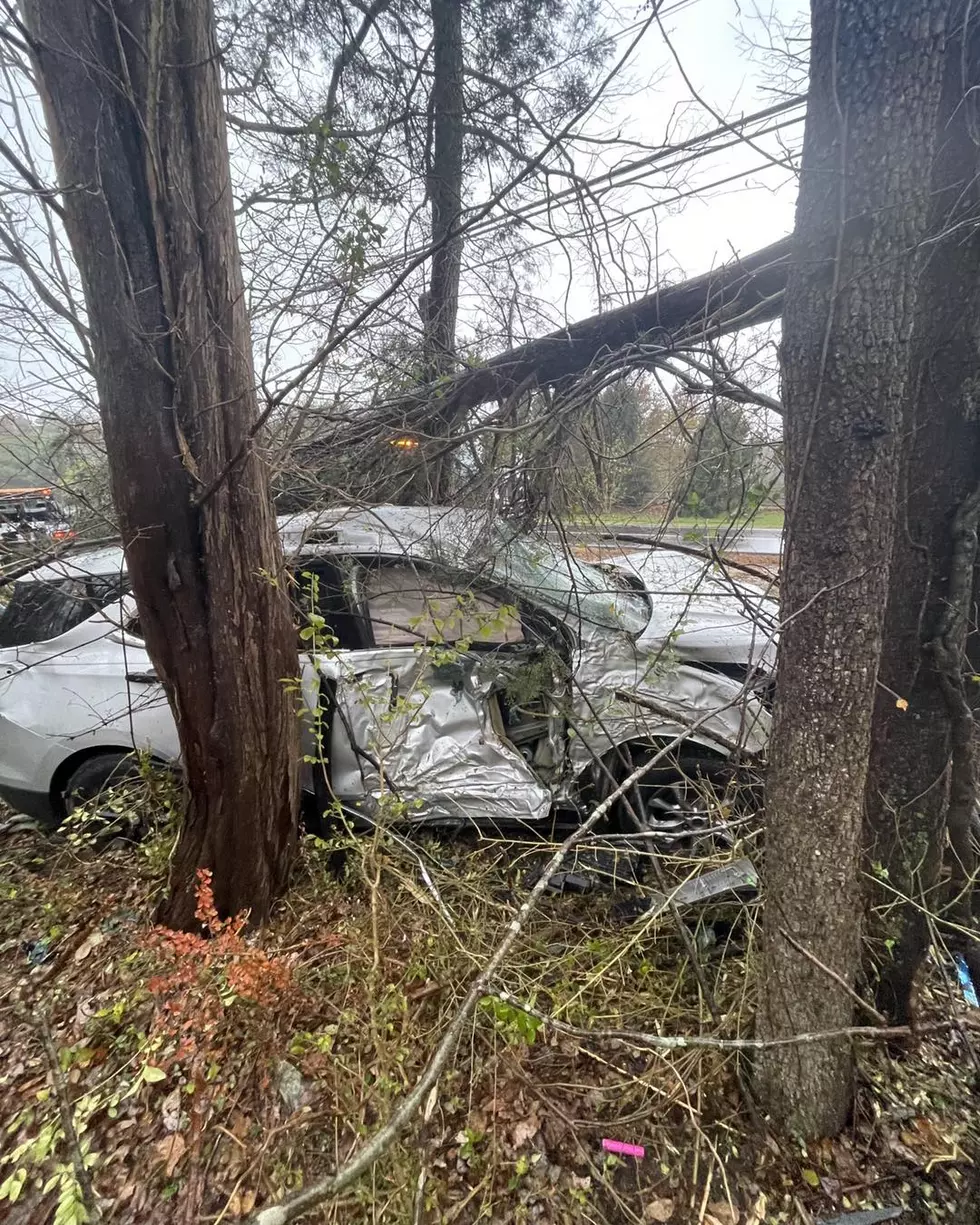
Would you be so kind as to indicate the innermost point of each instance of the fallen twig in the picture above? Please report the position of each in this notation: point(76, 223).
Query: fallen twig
point(676, 1042)
point(37, 1018)
point(805, 952)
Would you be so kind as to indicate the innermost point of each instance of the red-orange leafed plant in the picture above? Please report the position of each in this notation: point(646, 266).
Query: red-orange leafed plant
point(207, 972)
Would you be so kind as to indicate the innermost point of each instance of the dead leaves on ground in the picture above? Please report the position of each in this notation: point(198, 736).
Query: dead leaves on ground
point(512, 1132)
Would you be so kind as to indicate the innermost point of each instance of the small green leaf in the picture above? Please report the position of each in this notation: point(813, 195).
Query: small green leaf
point(153, 1075)
point(12, 1186)
point(811, 1177)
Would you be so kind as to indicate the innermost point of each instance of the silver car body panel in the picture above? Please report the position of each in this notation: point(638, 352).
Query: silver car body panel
point(622, 693)
point(702, 611)
point(74, 694)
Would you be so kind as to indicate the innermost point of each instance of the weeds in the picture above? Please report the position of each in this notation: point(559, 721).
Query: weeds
point(204, 975)
point(211, 1073)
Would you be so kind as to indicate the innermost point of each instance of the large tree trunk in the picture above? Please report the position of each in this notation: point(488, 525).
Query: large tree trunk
point(913, 750)
point(847, 322)
point(132, 98)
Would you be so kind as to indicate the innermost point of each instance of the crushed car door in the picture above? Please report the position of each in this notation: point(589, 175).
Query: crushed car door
point(415, 730)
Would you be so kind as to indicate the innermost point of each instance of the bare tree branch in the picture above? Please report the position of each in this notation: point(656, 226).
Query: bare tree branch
point(321, 1190)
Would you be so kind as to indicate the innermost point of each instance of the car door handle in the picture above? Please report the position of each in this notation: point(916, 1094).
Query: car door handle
point(143, 678)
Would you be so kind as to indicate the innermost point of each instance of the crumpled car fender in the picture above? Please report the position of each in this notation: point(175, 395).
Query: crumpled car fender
point(714, 710)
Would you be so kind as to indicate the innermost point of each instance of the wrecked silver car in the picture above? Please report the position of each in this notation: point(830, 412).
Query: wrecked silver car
point(453, 670)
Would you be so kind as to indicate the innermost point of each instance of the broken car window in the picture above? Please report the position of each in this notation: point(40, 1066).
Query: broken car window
point(408, 606)
point(39, 611)
point(556, 578)
point(322, 588)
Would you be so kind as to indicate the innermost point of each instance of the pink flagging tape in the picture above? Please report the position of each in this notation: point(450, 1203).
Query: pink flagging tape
point(624, 1150)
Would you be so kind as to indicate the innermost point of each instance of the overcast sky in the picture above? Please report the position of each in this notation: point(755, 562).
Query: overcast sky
point(709, 37)
point(687, 228)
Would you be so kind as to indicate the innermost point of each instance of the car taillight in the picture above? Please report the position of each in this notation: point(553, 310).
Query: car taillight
point(62, 535)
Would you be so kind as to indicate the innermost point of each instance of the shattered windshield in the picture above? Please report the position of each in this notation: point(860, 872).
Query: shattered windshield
point(551, 575)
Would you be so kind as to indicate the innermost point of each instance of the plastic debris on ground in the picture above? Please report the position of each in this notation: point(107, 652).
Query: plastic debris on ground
point(966, 982)
point(586, 871)
point(736, 880)
point(621, 1149)
point(870, 1216)
point(39, 951)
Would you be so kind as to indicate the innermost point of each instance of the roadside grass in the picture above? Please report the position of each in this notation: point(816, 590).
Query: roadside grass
point(761, 519)
point(199, 1092)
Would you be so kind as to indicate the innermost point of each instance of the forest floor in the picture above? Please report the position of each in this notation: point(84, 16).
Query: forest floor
point(207, 1077)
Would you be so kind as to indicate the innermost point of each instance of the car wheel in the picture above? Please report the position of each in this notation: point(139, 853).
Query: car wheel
point(109, 788)
point(676, 804)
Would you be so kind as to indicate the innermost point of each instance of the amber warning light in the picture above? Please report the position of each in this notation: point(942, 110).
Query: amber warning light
point(404, 444)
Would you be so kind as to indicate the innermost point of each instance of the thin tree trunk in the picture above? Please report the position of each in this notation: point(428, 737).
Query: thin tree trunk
point(948, 652)
point(133, 104)
point(914, 750)
point(847, 323)
point(445, 189)
point(445, 185)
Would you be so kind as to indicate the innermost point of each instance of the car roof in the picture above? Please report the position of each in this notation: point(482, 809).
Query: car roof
point(421, 530)
point(86, 564)
point(427, 531)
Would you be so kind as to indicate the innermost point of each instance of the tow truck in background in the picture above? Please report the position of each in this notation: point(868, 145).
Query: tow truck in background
point(29, 517)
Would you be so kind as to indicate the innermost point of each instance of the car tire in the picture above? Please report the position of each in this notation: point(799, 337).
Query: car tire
point(673, 792)
point(95, 775)
point(98, 775)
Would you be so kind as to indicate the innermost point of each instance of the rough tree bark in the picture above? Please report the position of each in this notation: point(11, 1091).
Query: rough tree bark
point(847, 321)
point(913, 751)
point(444, 184)
point(132, 98)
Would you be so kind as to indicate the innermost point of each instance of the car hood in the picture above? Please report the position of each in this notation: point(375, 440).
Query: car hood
point(700, 612)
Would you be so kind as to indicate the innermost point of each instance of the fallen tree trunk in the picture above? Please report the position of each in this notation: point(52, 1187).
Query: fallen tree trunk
point(734, 296)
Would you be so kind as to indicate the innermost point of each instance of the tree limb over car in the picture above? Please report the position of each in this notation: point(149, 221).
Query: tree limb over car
point(744, 292)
